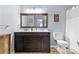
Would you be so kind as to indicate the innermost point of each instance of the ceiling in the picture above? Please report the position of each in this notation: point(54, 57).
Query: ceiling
point(46, 6)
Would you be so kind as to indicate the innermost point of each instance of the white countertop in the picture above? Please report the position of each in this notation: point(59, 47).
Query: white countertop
point(38, 30)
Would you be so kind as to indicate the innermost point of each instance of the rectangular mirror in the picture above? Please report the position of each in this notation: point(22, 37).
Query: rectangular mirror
point(34, 20)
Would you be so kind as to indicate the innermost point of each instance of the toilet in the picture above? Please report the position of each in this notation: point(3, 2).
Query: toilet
point(61, 44)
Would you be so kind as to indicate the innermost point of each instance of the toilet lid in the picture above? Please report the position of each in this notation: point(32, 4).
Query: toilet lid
point(61, 42)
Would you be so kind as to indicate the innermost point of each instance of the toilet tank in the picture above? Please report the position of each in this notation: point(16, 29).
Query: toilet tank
point(58, 35)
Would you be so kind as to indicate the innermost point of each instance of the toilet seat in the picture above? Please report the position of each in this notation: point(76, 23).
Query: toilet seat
point(61, 42)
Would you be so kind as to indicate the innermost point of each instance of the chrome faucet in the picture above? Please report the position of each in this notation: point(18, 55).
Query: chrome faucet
point(31, 29)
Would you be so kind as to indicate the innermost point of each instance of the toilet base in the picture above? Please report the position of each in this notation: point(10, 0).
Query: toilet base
point(61, 49)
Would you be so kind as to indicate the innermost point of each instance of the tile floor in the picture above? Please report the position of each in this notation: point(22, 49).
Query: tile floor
point(54, 51)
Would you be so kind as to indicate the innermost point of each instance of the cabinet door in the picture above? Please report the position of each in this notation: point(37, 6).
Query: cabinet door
point(46, 44)
point(5, 44)
point(33, 44)
point(18, 44)
point(2, 44)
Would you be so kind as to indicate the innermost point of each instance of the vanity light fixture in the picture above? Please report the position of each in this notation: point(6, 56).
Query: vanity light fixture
point(34, 10)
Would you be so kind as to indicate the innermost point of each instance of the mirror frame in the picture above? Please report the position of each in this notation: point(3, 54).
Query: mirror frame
point(25, 14)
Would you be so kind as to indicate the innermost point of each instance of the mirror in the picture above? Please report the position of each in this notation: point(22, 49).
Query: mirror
point(34, 20)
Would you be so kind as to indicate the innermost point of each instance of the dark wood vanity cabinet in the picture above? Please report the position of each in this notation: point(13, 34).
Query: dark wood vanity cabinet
point(32, 42)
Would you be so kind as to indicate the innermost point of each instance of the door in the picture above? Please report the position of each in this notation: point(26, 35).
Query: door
point(18, 44)
point(33, 44)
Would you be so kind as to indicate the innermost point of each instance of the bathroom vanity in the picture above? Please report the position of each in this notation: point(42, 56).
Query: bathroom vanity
point(32, 42)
